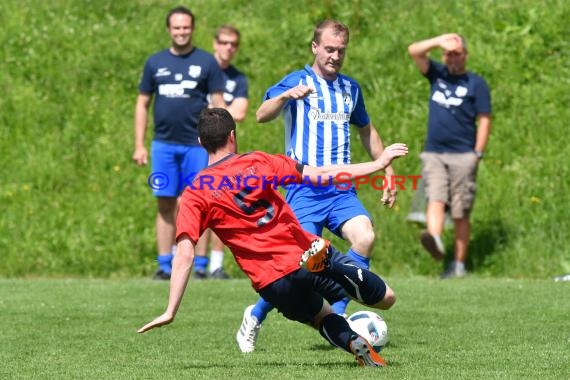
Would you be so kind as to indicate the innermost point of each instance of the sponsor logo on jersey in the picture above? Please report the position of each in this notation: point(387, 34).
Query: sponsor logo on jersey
point(162, 72)
point(448, 98)
point(317, 115)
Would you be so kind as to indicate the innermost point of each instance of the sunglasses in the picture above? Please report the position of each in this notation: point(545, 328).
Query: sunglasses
point(231, 43)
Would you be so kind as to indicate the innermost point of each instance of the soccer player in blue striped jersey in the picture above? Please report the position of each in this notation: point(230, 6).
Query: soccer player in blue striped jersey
point(319, 104)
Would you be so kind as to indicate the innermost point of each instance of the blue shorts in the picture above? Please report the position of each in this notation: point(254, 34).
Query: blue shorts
point(174, 167)
point(299, 295)
point(328, 207)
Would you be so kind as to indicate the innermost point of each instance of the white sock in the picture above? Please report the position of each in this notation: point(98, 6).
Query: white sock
point(439, 243)
point(459, 265)
point(216, 260)
point(173, 250)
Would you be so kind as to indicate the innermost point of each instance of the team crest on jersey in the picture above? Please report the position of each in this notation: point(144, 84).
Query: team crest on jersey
point(346, 98)
point(461, 91)
point(231, 85)
point(194, 71)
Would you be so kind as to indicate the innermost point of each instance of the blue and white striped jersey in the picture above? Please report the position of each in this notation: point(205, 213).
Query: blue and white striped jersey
point(317, 128)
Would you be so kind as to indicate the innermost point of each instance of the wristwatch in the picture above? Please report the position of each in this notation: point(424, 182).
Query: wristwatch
point(479, 154)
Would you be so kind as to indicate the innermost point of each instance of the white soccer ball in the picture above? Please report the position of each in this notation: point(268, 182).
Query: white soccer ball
point(370, 326)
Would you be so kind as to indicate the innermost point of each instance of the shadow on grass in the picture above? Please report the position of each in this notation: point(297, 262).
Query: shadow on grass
point(272, 363)
point(486, 239)
point(322, 347)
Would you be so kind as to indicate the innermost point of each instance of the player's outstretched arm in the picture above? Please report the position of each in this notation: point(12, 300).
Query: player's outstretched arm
point(181, 269)
point(161, 320)
point(342, 173)
point(374, 146)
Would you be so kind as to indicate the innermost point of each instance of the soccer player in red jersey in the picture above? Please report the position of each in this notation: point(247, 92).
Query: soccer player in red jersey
point(237, 197)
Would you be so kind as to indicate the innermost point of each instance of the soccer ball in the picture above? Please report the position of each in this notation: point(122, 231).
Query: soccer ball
point(370, 326)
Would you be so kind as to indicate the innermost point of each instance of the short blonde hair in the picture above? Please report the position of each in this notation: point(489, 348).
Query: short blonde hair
point(227, 29)
point(337, 27)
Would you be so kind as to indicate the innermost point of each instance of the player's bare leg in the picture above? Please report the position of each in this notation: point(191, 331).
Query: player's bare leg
point(165, 232)
point(431, 238)
point(217, 258)
point(456, 268)
point(359, 232)
point(201, 256)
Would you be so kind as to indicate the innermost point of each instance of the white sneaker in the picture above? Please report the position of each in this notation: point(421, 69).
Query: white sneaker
point(453, 271)
point(247, 333)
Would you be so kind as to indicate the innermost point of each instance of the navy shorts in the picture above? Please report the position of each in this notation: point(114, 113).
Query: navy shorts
point(330, 290)
point(294, 296)
point(299, 295)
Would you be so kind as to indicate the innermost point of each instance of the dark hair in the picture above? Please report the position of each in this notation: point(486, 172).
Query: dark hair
point(336, 26)
point(179, 10)
point(227, 29)
point(214, 128)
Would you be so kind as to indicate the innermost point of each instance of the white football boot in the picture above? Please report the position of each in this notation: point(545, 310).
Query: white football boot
point(247, 333)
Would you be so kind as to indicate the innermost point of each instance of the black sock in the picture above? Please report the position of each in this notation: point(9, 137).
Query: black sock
point(336, 331)
point(361, 284)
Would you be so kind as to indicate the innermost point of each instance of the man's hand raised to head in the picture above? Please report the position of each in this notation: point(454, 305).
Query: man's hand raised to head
point(450, 42)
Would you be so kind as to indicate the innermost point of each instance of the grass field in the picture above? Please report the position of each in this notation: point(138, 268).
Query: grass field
point(469, 329)
point(73, 204)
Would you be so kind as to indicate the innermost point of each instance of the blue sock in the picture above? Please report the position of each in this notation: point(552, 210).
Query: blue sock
point(363, 262)
point(165, 262)
point(200, 263)
point(339, 307)
point(261, 309)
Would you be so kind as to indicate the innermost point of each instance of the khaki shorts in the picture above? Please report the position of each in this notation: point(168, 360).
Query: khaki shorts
point(450, 178)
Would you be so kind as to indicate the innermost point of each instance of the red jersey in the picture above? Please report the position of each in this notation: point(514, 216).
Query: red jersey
point(238, 198)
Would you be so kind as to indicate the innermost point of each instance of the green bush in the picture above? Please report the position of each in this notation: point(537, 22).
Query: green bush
point(73, 204)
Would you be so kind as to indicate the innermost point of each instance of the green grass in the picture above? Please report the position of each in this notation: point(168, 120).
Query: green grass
point(73, 203)
point(468, 329)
